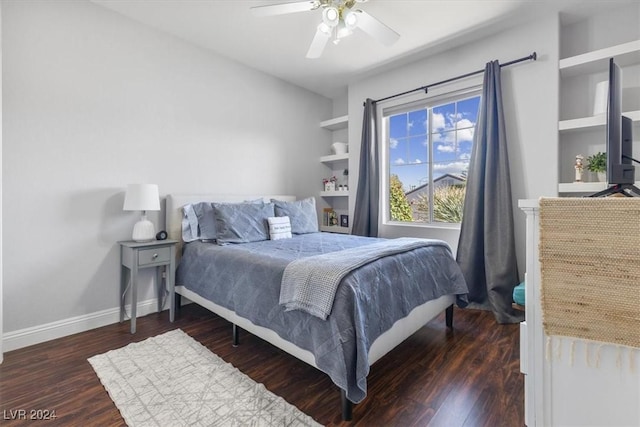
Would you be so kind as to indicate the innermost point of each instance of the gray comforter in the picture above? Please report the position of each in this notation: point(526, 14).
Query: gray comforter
point(246, 278)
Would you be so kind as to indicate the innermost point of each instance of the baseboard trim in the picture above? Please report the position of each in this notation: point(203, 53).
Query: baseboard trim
point(62, 328)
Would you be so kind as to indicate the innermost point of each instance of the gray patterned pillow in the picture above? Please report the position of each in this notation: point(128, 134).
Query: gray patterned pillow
point(206, 220)
point(242, 222)
point(201, 221)
point(302, 214)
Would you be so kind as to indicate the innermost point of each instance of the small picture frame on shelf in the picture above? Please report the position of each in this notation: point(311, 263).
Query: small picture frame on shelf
point(344, 220)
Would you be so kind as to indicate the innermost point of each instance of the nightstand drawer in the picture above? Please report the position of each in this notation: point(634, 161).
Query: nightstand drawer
point(152, 256)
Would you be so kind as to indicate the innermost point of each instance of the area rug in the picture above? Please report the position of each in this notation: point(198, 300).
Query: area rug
point(173, 380)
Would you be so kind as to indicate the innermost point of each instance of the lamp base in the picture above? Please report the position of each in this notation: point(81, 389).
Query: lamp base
point(143, 231)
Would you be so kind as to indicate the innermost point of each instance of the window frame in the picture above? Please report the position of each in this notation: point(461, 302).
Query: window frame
point(408, 105)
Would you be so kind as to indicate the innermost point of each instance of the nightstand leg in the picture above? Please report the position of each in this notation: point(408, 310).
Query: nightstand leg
point(124, 280)
point(134, 298)
point(160, 286)
point(171, 286)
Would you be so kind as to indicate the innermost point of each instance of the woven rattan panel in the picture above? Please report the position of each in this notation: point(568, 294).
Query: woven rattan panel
point(590, 262)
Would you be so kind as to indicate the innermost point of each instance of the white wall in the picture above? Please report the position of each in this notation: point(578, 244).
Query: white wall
point(94, 101)
point(1, 303)
point(530, 97)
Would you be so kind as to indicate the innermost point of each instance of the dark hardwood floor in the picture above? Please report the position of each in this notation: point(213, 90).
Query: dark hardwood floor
point(465, 377)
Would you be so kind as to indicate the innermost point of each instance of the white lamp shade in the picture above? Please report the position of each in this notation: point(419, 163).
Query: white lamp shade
point(142, 197)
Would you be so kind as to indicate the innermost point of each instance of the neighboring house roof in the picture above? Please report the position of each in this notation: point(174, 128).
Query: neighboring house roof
point(422, 187)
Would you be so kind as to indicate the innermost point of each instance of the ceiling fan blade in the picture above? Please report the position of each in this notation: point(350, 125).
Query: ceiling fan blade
point(375, 28)
point(317, 44)
point(283, 8)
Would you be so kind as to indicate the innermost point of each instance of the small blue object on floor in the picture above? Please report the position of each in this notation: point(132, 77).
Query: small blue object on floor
point(518, 294)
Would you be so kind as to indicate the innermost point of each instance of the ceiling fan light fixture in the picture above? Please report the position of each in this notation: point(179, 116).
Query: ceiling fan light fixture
point(331, 16)
point(343, 30)
point(351, 20)
point(339, 18)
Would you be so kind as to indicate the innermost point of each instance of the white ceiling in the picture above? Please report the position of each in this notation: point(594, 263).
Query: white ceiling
point(277, 45)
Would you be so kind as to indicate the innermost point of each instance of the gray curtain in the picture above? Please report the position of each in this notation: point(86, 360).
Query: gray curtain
point(365, 215)
point(486, 249)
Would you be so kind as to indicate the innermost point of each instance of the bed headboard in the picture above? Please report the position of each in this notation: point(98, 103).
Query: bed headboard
point(175, 202)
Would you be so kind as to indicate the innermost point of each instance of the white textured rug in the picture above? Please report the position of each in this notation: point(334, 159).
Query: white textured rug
point(173, 380)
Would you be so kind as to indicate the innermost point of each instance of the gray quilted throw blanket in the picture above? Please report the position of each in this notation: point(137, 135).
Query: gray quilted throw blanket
point(310, 284)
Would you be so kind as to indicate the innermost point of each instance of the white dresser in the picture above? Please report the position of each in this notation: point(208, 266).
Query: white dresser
point(570, 382)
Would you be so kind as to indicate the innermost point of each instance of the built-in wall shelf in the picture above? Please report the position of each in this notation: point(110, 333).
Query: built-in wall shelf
point(596, 61)
point(584, 187)
point(587, 134)
point(586, 123)
point(336, 123)
point(332, 158)
point(335, 165)
point(334, 229)
point(336, 193)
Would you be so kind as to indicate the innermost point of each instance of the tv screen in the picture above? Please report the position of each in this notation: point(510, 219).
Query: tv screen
point(620, 169)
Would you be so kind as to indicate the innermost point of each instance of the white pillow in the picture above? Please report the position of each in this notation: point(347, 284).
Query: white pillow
point(279, 227)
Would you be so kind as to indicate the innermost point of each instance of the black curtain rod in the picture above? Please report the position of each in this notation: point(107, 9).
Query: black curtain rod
point(533, 57)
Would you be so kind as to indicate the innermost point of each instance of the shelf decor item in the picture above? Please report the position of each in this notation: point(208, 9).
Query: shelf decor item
point(340, 148)
point(333, 218)
point(579, 167)
point(598, 164)
point(142, 197)
point(329, 183)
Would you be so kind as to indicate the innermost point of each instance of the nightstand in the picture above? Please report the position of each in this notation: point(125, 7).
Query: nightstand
point(137, 255)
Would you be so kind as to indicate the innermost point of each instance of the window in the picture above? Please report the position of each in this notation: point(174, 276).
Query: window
point(428, 150)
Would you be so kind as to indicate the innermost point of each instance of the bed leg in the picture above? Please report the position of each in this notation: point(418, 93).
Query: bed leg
point(236, 335)
point(347, 406)
point(178, 303)
point(448, 316)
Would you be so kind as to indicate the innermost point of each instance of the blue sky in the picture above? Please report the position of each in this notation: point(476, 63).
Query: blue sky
point(452, 136)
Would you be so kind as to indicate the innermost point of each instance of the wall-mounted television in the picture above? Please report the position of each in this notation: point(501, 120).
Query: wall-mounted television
point(619, 140)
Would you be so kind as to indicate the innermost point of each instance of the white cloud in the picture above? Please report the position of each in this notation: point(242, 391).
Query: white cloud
point(445, 148)
point(399, 161)
point(465, 134)
point(438, 121)
point(393, 143)
point(453, 167)
point(417, 161)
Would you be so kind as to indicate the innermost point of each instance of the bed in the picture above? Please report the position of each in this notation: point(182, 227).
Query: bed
point(245, 284)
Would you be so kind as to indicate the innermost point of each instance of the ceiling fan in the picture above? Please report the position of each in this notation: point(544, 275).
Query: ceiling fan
point(339, 19)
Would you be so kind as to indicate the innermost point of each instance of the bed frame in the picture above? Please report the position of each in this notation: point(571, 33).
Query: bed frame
point(400, 331)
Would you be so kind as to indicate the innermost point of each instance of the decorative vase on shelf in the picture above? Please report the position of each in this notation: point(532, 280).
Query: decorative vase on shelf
point(340, 148)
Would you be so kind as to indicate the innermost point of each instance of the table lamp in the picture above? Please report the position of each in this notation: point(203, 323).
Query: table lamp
point(142, 197)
